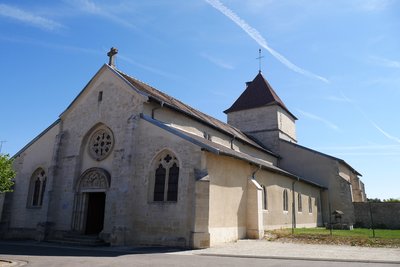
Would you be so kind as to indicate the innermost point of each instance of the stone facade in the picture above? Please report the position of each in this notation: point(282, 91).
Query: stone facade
point(137, 167)
point(326, 171)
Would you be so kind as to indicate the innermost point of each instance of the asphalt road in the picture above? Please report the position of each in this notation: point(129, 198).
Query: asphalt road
point(42, 254)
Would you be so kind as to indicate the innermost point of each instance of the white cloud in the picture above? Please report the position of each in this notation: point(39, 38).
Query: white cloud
point(320, 119)
point(374, 147)
point(107, 12)
point(64, 47)
point(218, 62)
point(386, 134)
point(29, 18)
point(336, 98)
point(378, 128)
point(254, 34)
point(384, 62)
point(373, 5)
point(363, 150)
point(148, 68)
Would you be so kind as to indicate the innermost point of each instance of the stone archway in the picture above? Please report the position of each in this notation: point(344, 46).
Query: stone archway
point(89, 203)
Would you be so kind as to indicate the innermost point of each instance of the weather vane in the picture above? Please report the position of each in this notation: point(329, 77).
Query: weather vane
point(259, 60)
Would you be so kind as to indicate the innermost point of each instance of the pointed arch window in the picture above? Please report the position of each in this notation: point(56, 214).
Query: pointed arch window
point(37, 188)
point(285, 200)
point(166, 178)
point(299, 203)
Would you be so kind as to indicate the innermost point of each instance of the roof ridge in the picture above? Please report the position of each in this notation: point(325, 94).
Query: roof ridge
point(152, 87)
point(205, 118)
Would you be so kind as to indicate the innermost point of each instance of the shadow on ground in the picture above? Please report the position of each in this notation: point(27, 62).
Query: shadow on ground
point(33, 248)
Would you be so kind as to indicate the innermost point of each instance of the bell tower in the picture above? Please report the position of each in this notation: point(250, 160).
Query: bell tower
point(261, 114)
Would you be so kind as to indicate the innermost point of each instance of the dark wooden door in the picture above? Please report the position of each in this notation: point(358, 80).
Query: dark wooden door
point(95, 213)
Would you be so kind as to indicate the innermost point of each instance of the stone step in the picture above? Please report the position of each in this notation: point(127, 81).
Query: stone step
point(80, 240)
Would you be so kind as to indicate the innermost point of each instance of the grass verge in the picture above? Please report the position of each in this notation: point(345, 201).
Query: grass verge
point(356, 237)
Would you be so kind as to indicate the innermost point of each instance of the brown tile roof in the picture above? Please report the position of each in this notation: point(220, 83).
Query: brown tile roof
point(258, 93)
point(224, 151)
point(186, 109)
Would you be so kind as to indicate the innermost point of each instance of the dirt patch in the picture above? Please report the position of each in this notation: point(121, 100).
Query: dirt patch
point(283, 236)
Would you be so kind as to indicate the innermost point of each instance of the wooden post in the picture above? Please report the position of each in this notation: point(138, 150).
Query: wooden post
point(372, 220)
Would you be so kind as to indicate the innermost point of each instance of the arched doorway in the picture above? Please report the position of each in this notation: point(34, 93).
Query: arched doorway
point(90, 200)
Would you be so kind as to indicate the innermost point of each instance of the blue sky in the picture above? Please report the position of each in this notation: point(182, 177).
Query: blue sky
point(335, 64)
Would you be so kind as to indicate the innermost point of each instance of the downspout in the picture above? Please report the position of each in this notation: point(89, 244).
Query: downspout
point(154, 109)
point(321, 211)
point(232, 140)
point(254, 173)
point(330, 213)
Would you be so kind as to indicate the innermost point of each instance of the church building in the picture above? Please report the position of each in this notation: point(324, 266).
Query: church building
point(130, 165)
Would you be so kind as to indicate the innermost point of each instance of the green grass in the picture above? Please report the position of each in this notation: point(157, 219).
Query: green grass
point(357, 232)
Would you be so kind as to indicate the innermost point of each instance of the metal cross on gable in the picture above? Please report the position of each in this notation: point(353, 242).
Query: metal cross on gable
point(259, 60)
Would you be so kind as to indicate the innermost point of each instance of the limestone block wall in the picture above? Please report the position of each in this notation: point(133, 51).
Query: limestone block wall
point(117, 108)
point(256, 119)
point(323, 170)
point(164, 222)
point(358, 189)
point(287, 126)
point(269, 139)
point(38, 155)
point(384, 215)
point(201, 235)
point(266, 124)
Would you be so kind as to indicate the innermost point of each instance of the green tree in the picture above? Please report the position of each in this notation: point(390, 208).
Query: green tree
point(374, 200)
point(391, 200)
point(6, 173)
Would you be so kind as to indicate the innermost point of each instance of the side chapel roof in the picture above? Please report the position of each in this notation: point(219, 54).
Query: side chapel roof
point(258, 93)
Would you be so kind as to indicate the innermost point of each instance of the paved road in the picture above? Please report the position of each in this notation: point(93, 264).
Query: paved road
point(42, 254)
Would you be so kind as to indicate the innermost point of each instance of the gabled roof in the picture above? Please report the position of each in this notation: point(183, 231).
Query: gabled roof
point(258, 93)
point(181, 107)
point(218, 149)
point(166, 100)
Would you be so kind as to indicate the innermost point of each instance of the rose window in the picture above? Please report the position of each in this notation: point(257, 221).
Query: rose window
point(101, 144)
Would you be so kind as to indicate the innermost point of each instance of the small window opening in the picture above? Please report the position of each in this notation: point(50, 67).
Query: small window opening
point(299, 203)
point(100, 97)
point(285, 200)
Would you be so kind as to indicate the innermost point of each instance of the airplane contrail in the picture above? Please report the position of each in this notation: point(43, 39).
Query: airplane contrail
point(254, 34)
point(376, 126)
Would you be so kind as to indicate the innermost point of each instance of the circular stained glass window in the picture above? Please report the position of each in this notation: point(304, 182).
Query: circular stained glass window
point(101, 144)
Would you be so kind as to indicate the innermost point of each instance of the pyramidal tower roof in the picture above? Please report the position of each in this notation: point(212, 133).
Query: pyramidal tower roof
point(258, 93)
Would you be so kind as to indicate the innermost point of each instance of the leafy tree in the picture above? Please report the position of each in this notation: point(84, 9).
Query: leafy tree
point(374, 200)
point(391, 200)
point(6, 173)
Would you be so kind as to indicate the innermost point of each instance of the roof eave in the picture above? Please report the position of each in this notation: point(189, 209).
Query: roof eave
point(35, 139)
point(152, 98)
point(325, 155)
point(217, 151)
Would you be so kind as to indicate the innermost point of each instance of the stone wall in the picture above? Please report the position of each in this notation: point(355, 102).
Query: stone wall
point(323, 170)
point(384, 215)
